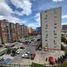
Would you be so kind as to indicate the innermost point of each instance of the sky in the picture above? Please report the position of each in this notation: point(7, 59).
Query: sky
point(28, 11)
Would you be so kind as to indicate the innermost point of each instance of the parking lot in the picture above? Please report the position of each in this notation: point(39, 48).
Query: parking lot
point(40, 56)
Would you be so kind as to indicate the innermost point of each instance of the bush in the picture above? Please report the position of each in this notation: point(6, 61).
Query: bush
point(64, 65)
point(8, 51)
point(3, 52)
point(63, 39)
point(66, 52)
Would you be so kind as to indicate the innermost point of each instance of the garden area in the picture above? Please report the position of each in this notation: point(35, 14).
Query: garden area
point(8, 51)
point(39, 65)
point(28, 37)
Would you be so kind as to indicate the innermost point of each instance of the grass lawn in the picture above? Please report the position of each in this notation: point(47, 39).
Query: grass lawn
point(37, 65)
point(65, 51)
point(64, 65)
point(2, 52)
point(29, 37)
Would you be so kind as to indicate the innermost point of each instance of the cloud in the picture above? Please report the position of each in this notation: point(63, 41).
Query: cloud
point(4, 8)
point(10, 18)
point(64, 23)
point(6, 13)
point(57, 0)
point(33, 25)
point(13, 19)
point(25, 5)
point(37, 21)
point(64, 17)
point(37, 18)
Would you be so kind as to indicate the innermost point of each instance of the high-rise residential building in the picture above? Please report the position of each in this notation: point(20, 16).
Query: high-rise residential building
point(10, 32)
point(13, 32)
point(25, 30)
point(4, 26)
point(51, 28)
point(18, 30)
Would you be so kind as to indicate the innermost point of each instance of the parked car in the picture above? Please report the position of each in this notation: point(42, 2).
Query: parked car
point(18, 51)
point(52, 60)
point(28, 55)
point(33, 56)
point(22, 47)
point(25, 55)
point(62, 59)
point(1, 45)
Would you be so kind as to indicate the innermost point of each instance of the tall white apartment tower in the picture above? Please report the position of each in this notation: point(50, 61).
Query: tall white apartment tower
point(51, 28)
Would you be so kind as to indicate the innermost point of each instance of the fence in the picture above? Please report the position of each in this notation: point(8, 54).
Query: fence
point(14, 65)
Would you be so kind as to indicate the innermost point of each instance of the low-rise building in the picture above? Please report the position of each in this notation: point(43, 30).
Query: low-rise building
point(30, 31)
point(64, 30)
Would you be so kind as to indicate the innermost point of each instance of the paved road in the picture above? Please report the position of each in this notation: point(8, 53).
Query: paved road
point(18, 59)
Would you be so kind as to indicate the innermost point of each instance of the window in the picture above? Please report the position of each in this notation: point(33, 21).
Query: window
point(55, 37)
point(55, 33)
point(54, 41)
point(46, 25)
point(46, 31)
point(46, 28)
point(55, 27)
point(55, 16)
point(55, 23)
point(46, 16)
point(55, 12)
point(46, 34)
point(55, 47)
point(45, 21)
point(46, 45)
point(45, 40)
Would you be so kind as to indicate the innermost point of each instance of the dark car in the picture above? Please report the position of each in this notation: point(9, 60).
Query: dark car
point(33, 56)
point(1, 45)
point(52, 60)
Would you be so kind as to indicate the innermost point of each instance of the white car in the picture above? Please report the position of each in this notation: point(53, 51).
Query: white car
point(18, 51)
point(25, 56)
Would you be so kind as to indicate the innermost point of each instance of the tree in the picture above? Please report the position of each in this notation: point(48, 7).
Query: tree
point(8, 51)
point(63, 39)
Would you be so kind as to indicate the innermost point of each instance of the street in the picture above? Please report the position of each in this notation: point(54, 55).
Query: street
point(19, 60)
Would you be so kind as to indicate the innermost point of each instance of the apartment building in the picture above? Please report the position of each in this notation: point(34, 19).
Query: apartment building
point(18, 31)
point(10, 32)
point(13, 32)
point(4, 25)
point(51, 28)
point(24, 31)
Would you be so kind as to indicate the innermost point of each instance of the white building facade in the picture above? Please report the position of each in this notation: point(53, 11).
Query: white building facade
point(51, 28)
